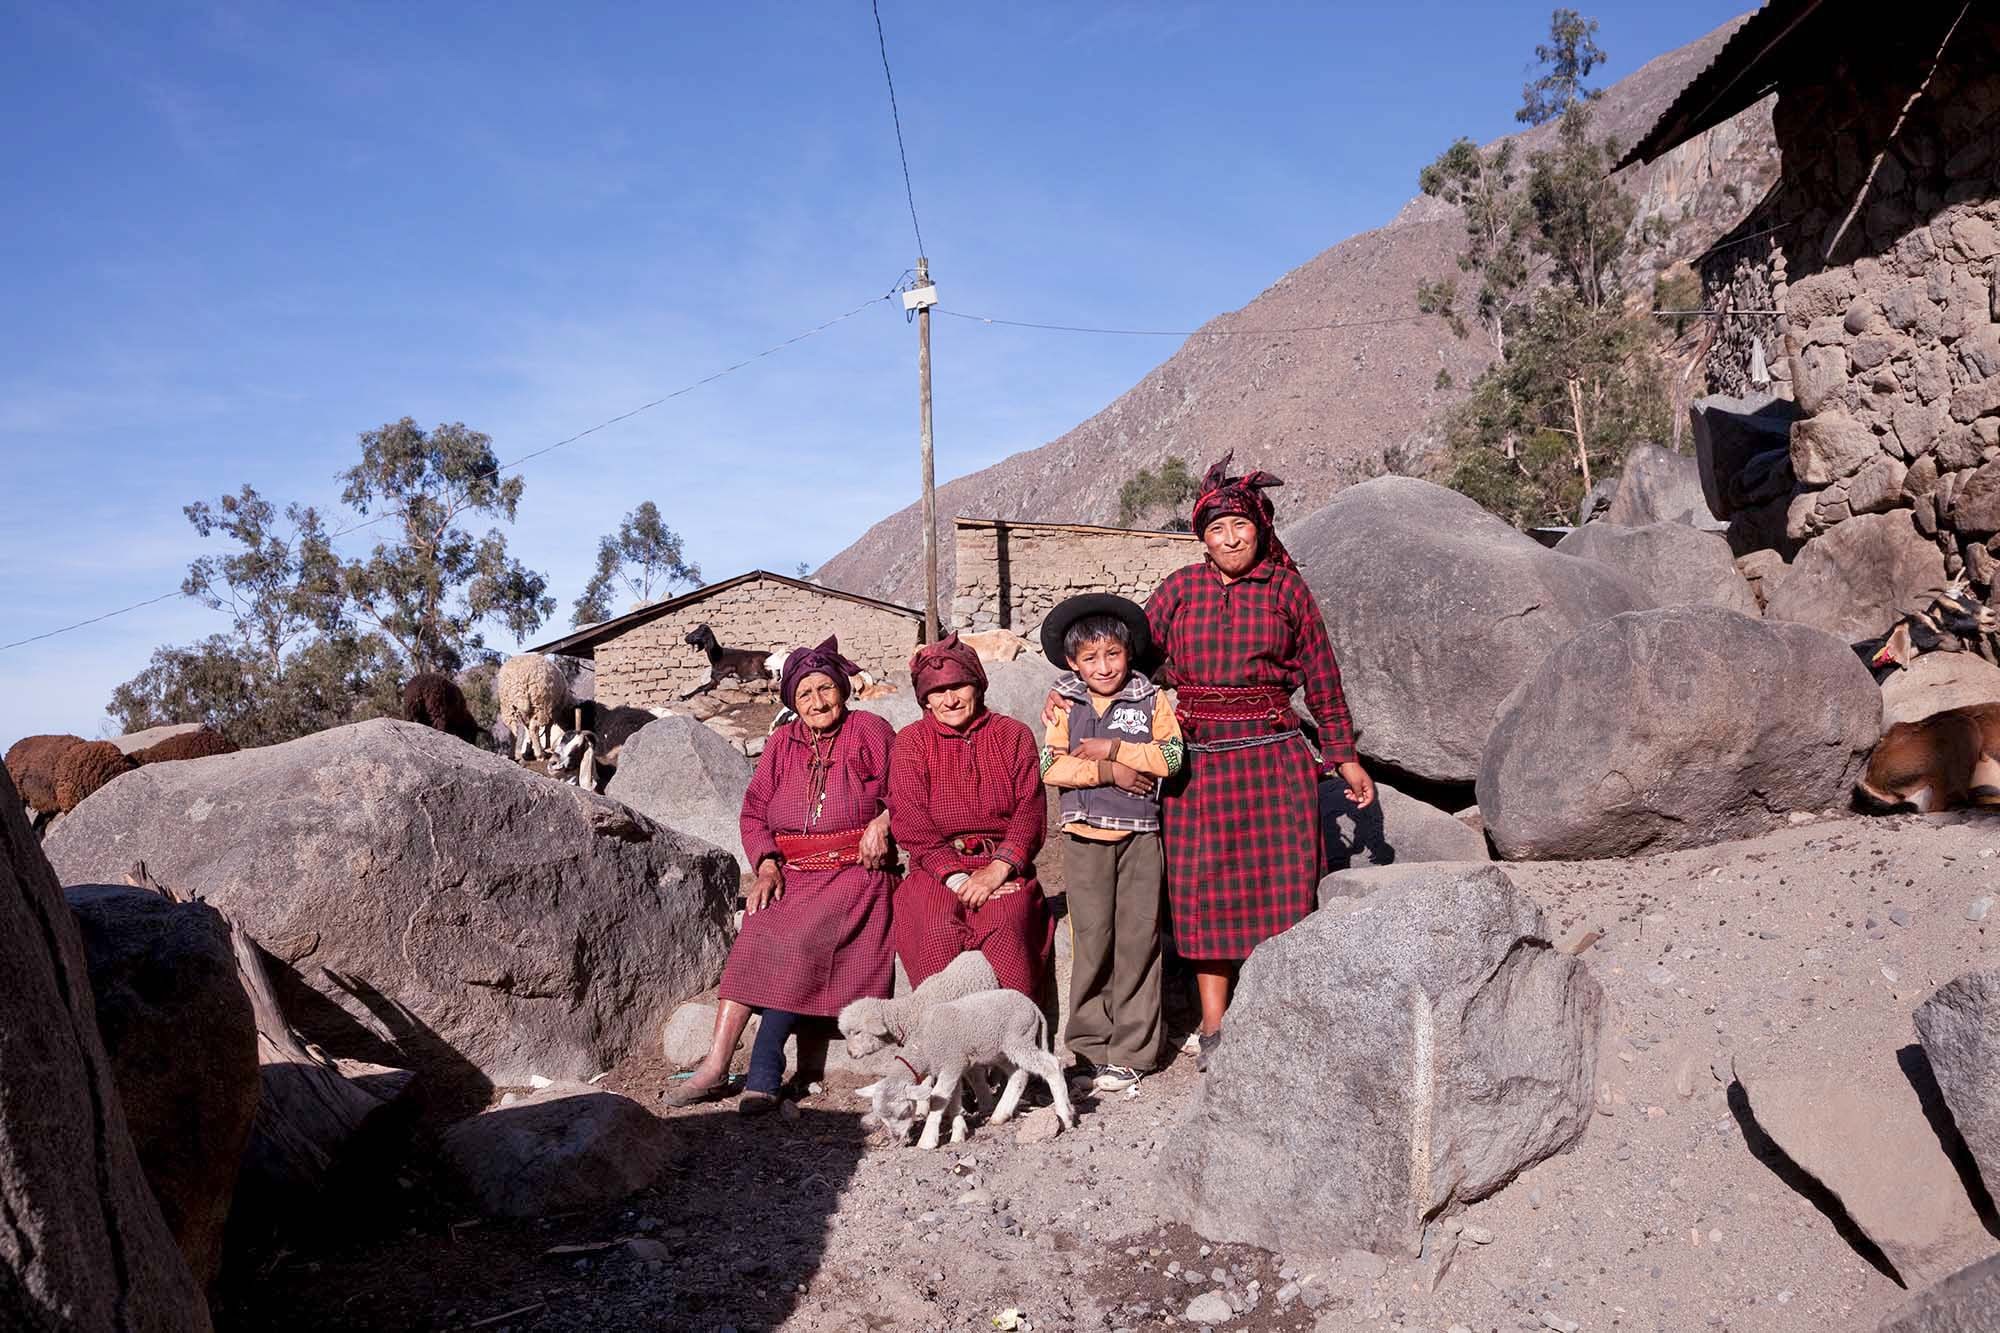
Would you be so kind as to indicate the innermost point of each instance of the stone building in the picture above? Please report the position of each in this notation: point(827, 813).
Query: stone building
point(1010, 575)
point(643, 658)
point(1861, 333)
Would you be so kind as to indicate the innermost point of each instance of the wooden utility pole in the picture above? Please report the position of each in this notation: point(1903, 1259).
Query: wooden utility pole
point(921, 298)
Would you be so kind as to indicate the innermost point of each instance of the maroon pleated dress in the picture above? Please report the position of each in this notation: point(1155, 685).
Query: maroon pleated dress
point(1242, 832)
point(958, 800)
point(826, 942)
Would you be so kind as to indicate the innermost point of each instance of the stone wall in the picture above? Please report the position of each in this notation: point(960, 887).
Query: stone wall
point(1887, 279)
point(650, 664)
point(1010, 575)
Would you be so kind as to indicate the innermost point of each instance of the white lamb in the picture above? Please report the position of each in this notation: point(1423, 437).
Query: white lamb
point(995, 1027)
point(534, 695)
point(869, 1025)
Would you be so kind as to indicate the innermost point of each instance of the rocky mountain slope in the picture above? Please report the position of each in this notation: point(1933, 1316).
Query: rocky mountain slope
point(1326, 409)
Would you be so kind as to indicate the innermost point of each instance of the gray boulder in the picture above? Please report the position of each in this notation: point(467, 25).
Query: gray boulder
point(1386, 1066)
point(83, 1245)
point(1437, 611)
point(1659, 486)
point(1020, 688)
point(183, 1045)
point(1677, 565)
point(1965, 1302)
point(681, 773)
point(1675, 728)
point(133, 742)
point(446, 910)
point(567, 1147)
point(1960, 1028)
point(1936, 682)
point(1858, 578)
point(1396, 829)
point(898, 710)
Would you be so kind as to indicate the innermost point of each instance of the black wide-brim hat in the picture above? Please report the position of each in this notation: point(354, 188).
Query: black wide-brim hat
point(1088, 604)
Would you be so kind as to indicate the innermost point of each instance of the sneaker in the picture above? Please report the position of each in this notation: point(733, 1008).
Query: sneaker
point(1206, 1050)
point(1115, 1078)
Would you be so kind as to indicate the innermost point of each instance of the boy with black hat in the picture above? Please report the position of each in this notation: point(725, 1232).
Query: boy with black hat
point(1108, 751)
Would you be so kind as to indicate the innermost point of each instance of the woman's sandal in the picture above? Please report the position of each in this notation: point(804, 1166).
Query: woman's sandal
point(687, 1094)
point(754, 1103)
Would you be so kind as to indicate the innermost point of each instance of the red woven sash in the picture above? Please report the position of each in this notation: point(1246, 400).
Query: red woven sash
point(821, 851)
point(1235, 703)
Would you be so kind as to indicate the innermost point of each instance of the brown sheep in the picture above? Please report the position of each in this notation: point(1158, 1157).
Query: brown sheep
point(31, 762)
point(86, 767)
point(433, 699)
point(188, 745)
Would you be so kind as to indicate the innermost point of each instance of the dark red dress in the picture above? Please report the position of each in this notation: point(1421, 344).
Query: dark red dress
point(958, 800)
point(826, 942)
point(1242, 832)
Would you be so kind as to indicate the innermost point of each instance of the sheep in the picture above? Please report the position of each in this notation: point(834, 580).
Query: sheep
point(31, 762)
point(86, 767)
point(870, 1024)
point(990, 1028)
point(198, 744)
point(742, 663)
point(433, 699)
point(533, 694)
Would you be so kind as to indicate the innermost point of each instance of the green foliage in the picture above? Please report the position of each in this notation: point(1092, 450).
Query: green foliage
point(1566, 59)
point(644, 557)
point(1677, 289)
point(331, 680)
point(284, 583)
point(1441, 298)
point(1443, 380)
point(430, 588)
point(1580, 216)
point(1483, 186)
point(1149, 493)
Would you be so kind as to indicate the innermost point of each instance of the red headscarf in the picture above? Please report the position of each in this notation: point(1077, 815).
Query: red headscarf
point(1224, 496)
point(945, 663)
point(824, 660)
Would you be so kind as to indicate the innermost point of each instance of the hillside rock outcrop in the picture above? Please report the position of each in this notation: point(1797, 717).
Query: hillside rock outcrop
point(1675, 728)
point(1385, 1066)
point(1676, 565)
point(683, 774)
point(1856, 580)
point(1438, 610)
point(84, 1245)
point(446, 910)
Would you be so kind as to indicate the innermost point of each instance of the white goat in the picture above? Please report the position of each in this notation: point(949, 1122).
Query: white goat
point(573, 758)
point(991, 1028)
point(869, 1025)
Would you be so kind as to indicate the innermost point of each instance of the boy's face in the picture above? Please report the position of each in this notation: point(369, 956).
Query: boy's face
point(1102, 665)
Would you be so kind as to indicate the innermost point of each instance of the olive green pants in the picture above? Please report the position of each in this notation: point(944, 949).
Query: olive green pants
point(1115, 894)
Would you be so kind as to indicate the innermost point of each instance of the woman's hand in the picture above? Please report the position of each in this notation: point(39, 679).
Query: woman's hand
point(1053, 708)
point(768, 888)
point(1127, 778)
point(1094, 749)
point(1360, 787)
point(983, 883)
point(876, 854)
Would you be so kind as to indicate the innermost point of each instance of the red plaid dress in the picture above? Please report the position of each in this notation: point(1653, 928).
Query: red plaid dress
point(826, 942)
point(981, 789)
point(1242, 831)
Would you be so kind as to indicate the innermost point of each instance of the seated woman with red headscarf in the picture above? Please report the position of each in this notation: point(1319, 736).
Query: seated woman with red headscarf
point(966, 804)
point(815, 825)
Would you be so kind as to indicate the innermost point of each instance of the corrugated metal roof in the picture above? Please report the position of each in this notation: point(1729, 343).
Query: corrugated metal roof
point(584, 642)
point(1743, 72)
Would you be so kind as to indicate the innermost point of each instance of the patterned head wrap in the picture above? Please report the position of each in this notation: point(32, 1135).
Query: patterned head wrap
point(944, 663)
point(1224, 496)
point(824, 660)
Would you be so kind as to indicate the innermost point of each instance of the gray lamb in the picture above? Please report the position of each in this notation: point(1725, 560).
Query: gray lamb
point(994, 1027)
point(869, 1025)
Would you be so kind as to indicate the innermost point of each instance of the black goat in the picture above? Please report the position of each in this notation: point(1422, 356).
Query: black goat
point(741, 663)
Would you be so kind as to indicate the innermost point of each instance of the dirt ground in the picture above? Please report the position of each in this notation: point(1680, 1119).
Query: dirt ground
point(1808, 946)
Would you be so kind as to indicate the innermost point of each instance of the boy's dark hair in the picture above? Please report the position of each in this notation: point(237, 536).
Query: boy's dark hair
point(1092, 628)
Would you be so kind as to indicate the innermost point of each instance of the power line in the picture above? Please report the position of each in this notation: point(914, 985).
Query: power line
point(1187, 333)
point(897, 116)
point(504, 467)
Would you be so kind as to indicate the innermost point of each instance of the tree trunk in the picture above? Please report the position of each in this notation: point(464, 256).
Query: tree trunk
point(1576, 416)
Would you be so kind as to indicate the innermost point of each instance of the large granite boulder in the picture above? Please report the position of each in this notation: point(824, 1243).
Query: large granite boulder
point(1675, 728)
point(1676, 564)
point(1657, 485)
point(1960, 1027)
point(447, 910)
point(680, 772)
point(1020, 688)
point(1856, 580)
point(898, 710)
point(1936, 682)
point(1965, 1302)
point(1395, 829)
point(566, 1147)
point(83, 1245)
point(183, 1045)
point(1386, 1066)
point(1437, 611)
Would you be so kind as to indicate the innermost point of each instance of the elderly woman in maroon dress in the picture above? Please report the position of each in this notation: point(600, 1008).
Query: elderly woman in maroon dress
point(1240, 631)
point(966, 803)
point(816, 827)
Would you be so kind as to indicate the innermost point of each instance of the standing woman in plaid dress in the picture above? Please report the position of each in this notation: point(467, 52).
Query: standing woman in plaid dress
point(1240, 632)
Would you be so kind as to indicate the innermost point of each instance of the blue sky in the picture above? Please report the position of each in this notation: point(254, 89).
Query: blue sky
point(236, 237)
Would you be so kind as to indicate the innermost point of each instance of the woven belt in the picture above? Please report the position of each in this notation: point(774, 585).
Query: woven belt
point(821, 851)
point(1237, 704)
point(1245, 743)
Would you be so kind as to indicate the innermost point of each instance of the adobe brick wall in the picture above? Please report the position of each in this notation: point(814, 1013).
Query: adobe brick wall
point(1011, 575)
point(651, 665)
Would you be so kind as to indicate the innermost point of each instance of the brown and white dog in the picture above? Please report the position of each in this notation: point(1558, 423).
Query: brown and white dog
point(1941, 762)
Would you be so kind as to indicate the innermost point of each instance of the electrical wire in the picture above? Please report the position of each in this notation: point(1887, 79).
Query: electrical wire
point(505, 467)
point(1185, 333)
point(909, 193)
